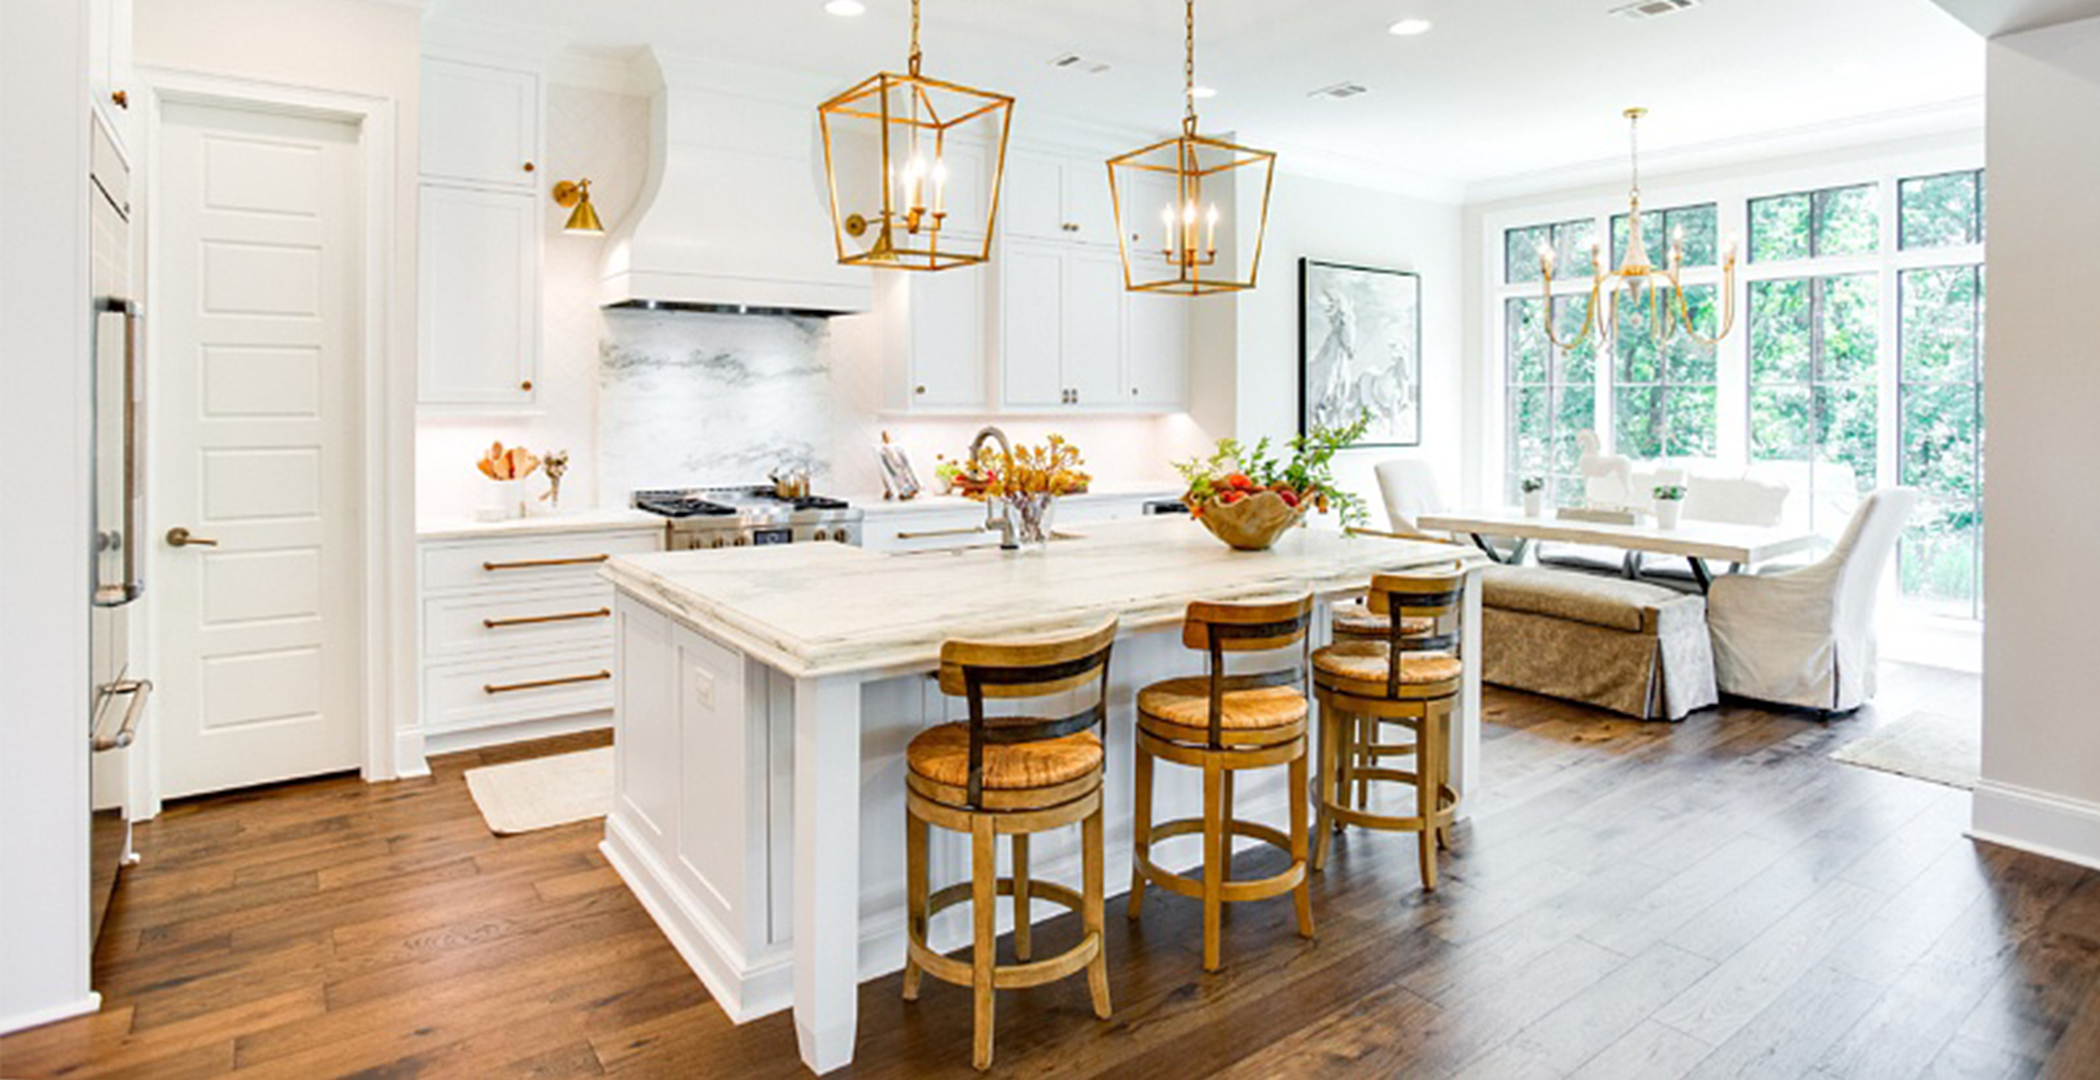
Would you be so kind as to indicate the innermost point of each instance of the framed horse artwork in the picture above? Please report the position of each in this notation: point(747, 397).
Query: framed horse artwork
point(1360, 350)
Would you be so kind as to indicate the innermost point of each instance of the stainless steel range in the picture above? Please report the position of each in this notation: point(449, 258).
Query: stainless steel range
point(748, 517)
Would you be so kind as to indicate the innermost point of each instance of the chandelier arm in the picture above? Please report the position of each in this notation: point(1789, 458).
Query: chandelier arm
point(1684, 312)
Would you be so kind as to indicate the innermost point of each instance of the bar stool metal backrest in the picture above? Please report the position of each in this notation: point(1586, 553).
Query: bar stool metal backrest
point(1431, 595)
point(1222, 628)
point(978, 671)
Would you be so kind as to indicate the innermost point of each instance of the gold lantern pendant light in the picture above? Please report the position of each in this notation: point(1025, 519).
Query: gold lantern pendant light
point(1186, 178)
point(1667, 308)
point(894, 145)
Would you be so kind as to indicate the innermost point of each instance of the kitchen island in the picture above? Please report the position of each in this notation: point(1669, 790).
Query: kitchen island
point(765, 696)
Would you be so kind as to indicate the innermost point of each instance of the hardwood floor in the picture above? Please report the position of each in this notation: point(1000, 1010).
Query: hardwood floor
point(1710, 899)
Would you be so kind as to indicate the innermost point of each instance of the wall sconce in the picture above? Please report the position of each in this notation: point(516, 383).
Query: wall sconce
point(583, 221)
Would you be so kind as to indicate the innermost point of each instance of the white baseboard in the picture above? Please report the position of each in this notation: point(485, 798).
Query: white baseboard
point(50, 1014)
point(452, 742)
point(2038, 822)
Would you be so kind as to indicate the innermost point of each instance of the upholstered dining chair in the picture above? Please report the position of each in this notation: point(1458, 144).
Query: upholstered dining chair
point(1408, 486)
point(1806, 637)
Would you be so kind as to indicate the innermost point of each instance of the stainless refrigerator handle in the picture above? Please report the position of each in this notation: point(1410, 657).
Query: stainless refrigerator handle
point(139, 690)
point(131, 588)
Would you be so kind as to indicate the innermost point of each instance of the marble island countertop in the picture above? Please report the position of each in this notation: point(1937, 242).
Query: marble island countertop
point(819, 609)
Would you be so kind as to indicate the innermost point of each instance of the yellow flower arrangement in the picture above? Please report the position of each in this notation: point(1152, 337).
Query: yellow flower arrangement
point(1050, 469)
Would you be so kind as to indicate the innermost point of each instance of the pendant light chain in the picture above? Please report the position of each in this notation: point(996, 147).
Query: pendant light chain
point(915, 38)
point(1188, 70)
point(1636, 139)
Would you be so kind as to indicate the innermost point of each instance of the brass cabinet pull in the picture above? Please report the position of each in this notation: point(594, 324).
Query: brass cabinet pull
point(542, 684)
point(532, 620)
point(931, 534)
point(535, 564)
point(120, 99)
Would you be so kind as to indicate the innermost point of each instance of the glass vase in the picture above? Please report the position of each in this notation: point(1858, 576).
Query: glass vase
point(1031, 515)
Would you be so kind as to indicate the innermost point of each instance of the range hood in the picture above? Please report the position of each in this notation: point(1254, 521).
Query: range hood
point(734, 213)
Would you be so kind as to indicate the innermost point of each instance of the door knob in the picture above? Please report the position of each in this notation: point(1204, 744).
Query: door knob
point(180, 537)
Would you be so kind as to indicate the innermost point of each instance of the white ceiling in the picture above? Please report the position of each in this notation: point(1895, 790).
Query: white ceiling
point(1499, 88)
point(1994, 17)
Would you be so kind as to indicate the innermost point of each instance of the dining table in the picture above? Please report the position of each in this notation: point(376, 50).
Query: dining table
point(1699, 543)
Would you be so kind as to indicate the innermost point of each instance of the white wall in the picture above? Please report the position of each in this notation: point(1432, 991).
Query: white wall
point(43, 532)
point(2041, 749)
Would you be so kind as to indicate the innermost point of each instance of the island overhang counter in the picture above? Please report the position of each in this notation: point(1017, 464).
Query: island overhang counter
point(764, 698)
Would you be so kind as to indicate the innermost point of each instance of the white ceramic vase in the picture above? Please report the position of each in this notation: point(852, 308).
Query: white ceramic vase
point(1667, 512)
point(1535, 503)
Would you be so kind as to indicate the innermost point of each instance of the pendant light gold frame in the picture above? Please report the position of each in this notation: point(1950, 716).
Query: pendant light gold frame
point(905, 231)
point(1186, 267)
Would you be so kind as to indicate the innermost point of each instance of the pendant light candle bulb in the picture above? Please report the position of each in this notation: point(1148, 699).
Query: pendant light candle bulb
point(1212, 241)
point(940, 185)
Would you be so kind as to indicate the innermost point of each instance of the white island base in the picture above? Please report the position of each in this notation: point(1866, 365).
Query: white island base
point(765, 698)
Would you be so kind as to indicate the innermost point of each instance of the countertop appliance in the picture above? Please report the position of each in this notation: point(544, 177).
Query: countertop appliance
point(117, 697)
point(720, 517)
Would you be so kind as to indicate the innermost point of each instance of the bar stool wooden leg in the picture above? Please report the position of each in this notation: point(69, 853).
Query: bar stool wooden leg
point(1427, 794)
point(1299, 812)
point(1225, 822)
point(1093, 858)
point(1023, 947)
point(984, 894)
point(1213, 861)
point(915, 885)
point(1323, 829)
point(1141, 828)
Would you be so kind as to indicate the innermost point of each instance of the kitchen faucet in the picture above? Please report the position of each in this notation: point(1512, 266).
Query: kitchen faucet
point(1005, 518)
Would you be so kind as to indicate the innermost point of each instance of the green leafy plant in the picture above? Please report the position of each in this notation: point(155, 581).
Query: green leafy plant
point(1669, 492)
point(1532, 483)
point(1302, 473)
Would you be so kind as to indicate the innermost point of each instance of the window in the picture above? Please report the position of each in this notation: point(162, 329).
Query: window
point(1552, 396)
point(1942, 211)
point(1816, 224)
point(1664, 398)
point(1570, 241)
point(1940, 449)
point(1700, 225)
point(1814, 393)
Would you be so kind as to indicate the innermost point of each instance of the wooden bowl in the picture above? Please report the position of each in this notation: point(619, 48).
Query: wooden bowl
point(1253, 523)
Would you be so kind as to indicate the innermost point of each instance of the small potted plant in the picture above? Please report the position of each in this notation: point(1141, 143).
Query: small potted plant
point(1534, 488)
point(1669, 504)
point(944, 473)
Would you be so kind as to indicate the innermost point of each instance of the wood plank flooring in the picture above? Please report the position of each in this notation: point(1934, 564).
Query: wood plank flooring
point(1630, 900)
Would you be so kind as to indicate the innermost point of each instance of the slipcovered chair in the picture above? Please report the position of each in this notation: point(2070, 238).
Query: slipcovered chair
point(1806, 637)
point(1409, 489)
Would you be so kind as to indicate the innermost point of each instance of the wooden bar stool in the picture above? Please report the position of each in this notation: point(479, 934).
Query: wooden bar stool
point(1355, 621)
point(1408, 680)
point(1009, 776)
point(1223, 724)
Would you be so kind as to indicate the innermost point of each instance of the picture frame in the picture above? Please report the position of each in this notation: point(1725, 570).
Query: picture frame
point(1360, 348)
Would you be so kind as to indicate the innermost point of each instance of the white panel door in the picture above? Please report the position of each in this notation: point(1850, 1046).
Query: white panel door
point(1093, 327)
point(481, 125)
point(255, 449)
point(1031, 326)
point(478, 320)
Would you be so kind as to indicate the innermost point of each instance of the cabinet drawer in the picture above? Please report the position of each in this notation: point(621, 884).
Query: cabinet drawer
point(536, 619)
point(481, 693)
point(937, 532)
point(540, 560)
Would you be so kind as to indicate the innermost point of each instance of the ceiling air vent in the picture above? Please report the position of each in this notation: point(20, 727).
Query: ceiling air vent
point(1341, 91)
point(1652, 9)
point(1077, 64)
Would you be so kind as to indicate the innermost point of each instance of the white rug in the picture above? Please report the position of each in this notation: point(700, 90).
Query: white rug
point(544, 792)
point(1925, 746)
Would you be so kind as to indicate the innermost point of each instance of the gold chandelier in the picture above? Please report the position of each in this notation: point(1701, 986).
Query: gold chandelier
point(1173, 175)
point(887, 147)
point(1667, 309)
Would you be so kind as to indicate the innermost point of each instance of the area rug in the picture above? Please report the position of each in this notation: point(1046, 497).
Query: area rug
point(1925, 746)
point(521, 796)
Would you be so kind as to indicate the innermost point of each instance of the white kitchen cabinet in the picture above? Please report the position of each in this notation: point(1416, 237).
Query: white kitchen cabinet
point(1052, 196)
point(478, 319)
point(934, 340)
point(109, 65)
point(1062, 327)
point(1093, 318)
point(480, 125)
point(1156, 351)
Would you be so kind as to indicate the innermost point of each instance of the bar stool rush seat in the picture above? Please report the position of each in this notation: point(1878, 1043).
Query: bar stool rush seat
point(1410, 679)
point(1009, 776)
point(1223, 724)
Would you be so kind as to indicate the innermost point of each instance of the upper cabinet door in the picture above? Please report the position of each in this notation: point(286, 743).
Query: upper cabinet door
point(947, 339)
point(1093, 325)
point(1156, 351)
point(1032, 326)
point(1032, 199)
point(481, 125)
point(109, 64)
point(478, 317)
point(1089, 207)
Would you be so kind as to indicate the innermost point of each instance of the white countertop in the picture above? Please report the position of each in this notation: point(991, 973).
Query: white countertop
point(620, 519)
point(820, 609)
point(930, 503)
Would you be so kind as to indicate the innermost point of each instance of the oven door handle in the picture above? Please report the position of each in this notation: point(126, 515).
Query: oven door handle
point(138, 690)
point(126, 538)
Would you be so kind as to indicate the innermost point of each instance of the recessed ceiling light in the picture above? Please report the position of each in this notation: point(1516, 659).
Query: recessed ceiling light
point(1201, 93)
point(845, 8)
point(1409, 27)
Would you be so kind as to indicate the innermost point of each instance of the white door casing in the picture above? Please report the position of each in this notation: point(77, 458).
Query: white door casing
point(255, 445)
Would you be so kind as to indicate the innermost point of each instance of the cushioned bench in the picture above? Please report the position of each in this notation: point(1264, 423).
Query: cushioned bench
point(1628, 646)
